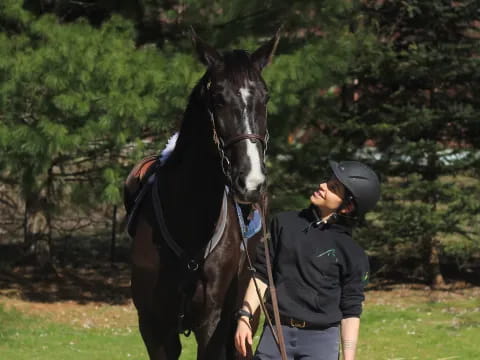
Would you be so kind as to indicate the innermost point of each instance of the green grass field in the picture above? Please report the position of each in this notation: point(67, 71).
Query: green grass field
point(413, 329)
point(426, 331)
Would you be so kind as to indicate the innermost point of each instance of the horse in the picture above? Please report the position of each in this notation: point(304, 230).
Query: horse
point(180, 282)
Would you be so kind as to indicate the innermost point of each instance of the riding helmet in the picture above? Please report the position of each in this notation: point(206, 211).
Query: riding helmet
point(360, 181)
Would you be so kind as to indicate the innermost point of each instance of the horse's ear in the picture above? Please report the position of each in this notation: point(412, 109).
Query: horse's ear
point(207, 54)
point(264, 54)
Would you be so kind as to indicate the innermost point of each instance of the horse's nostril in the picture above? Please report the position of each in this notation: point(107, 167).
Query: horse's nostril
point(240, 182)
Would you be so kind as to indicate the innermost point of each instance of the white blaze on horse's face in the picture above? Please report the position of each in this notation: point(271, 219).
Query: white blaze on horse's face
point(255, 178)
point(245, 93)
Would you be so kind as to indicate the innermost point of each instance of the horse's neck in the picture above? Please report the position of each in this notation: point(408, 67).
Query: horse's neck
point(192, 187)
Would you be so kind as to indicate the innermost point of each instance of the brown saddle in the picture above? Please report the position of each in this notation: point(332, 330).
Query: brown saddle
point(135, 188)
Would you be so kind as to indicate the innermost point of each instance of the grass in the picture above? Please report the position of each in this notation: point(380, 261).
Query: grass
point(27, 337)
point(422, 331)
point(416, 330)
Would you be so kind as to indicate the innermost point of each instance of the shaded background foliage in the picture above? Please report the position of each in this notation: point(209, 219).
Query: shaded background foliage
point(87, 87)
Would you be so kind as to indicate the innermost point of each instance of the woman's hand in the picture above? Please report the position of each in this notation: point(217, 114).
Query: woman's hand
point(251, 302)
point(243, 335)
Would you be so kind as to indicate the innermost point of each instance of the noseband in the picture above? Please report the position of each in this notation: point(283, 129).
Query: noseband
point(252, 137)
point(223, 145)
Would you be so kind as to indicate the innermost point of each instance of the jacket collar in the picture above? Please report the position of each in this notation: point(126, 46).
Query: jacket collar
point(314, 220)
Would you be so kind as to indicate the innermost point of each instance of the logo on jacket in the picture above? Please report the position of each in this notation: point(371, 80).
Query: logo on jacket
point(329, 252)
point(365, 277)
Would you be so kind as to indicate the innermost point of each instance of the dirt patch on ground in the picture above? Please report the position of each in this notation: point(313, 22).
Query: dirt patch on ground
point(402, 295)
point(94, 283)
point(90, 315)
point(94, 296)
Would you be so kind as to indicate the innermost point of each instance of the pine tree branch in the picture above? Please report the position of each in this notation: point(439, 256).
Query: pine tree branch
point(82, 3)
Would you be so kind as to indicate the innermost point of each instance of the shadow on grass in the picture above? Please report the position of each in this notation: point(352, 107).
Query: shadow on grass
point(87, 279)
point(84, 274)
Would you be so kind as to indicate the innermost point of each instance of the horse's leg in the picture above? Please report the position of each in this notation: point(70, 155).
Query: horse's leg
point(161, 343)
point(156, 314)
point(215, 336)
point(215, 300)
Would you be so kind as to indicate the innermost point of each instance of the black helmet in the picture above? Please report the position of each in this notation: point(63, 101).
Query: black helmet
point(361, 181)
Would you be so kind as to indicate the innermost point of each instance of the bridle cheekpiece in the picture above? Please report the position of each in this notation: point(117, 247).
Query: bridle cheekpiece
point(223, 145)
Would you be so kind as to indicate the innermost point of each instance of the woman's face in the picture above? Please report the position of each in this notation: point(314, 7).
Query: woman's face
point(329, 196)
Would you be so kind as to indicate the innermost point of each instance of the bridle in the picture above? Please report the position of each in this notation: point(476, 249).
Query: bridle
point(223, 145)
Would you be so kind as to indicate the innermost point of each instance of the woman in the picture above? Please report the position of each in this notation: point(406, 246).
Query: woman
point(319, 271)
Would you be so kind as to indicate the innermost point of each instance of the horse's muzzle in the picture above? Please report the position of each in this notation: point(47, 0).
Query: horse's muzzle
point(248, 197)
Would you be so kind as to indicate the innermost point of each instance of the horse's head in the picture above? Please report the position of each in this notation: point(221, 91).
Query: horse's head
point(236, 97)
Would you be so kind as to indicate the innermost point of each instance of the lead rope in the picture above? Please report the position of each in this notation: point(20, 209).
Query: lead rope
point(252, 270)
point(278, 334)
point(273, 295)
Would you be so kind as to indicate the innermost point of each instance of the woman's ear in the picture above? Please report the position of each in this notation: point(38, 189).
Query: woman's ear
point(347, 208)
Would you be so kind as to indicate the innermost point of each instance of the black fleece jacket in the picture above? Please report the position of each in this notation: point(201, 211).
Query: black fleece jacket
point(318, 270)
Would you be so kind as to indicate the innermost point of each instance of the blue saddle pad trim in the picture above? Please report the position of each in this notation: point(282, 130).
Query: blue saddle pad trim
point(253, 226)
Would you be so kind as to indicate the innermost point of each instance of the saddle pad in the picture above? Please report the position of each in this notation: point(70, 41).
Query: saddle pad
point(219, 227)
point(248, 230)
point(253, 226)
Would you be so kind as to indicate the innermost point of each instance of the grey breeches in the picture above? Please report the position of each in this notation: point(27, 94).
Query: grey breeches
point(301, 344)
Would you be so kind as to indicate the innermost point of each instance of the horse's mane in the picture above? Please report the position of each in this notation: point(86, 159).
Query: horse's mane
point(185, 135)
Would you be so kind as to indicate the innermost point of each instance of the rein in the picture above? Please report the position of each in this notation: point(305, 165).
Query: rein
point(278, 334)
point(191, 263)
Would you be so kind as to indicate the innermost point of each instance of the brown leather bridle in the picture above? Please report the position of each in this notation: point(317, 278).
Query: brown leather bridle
point(223, 145)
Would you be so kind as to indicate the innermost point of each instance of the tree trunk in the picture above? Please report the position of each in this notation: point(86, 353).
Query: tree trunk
point(26, 239)
point(435, 275)
point(37, 231)
point(113, 240)
point(431, 262)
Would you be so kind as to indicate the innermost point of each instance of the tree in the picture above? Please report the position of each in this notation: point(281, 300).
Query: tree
point(388, 82)
point(416, 100)
point(74, 107)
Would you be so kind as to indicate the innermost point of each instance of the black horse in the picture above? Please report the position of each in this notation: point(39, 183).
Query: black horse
point(177, 283)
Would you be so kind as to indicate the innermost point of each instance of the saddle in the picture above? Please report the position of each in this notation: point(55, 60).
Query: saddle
point(136, 188)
